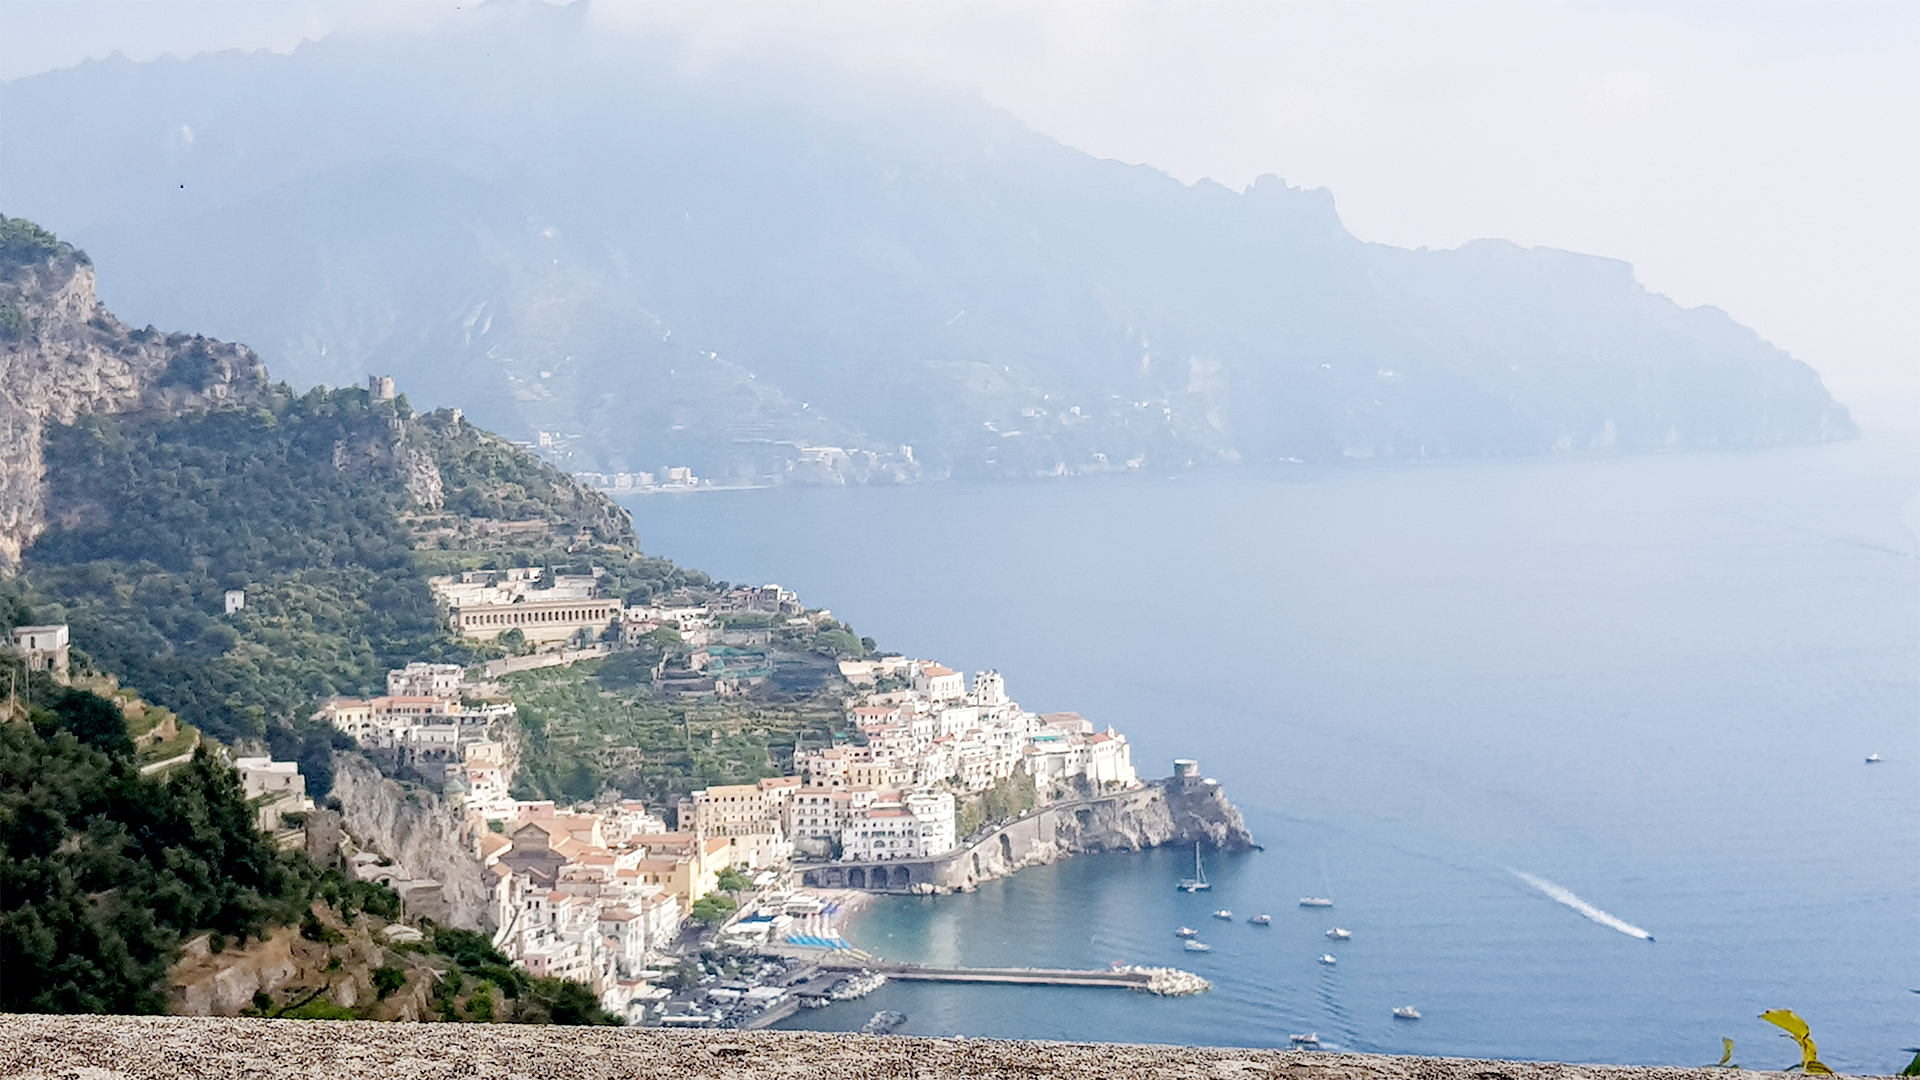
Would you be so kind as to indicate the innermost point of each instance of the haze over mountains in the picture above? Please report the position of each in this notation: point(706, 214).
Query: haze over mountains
point(663, 266)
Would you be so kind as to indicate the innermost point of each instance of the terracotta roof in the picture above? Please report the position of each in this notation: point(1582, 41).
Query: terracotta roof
point(662, 839)
point(936, 670)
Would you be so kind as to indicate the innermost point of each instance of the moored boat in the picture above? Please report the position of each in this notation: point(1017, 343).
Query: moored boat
point(883, 1022)
point(1873, 759)
point(1315, 901)
point(1223, 914)
point(1186, 931)
point(1198, 882)
point(1198, 946)
point(1338, 934)
point(1328, 959)
point(1406, 1012)
point(1262, 919)
point(1305, 1040)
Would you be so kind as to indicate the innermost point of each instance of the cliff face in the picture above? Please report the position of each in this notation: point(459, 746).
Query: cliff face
point(1158, 814)
point(427, 839)
point(62, 354)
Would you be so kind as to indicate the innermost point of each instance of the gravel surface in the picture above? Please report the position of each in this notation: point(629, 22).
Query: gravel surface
point(111, 1047)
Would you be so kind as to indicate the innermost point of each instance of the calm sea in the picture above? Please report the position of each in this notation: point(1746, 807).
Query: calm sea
point(1651, 682)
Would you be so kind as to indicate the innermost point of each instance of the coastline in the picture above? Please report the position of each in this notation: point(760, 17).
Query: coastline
point(1185, 808)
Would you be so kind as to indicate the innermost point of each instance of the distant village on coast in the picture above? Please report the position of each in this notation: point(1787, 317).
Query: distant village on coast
point(612, 892)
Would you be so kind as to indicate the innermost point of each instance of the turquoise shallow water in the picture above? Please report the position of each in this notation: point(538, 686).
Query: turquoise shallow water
point(1651, 681)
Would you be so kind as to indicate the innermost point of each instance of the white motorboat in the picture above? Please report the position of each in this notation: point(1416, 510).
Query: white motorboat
point(1337, 934)
point(1873, 759)
point(1223, 914)
point(1328, 959)
point(1305, 1040)
point(1262, 919)
point(1406, 1012)
point(1315, 901)
point(1198, 946)
point(1198, 882)
point(1186, 932)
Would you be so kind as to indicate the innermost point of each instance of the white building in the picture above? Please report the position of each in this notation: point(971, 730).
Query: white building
point(44, 648)
point(939, 683)
point(933, 820)
point(279, 787)
point(426, 680)
point(917, 826)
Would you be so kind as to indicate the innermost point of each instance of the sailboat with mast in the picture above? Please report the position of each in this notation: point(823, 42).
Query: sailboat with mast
point(1198, 882)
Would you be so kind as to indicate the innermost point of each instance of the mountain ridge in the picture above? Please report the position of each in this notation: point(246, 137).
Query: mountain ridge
point(64, 355)
point(654, 266)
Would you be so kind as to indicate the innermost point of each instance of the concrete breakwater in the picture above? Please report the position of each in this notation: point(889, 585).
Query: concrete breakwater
point(1164, 981)
point(1182, 809)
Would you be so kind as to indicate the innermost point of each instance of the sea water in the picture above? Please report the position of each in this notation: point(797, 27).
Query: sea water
point(1504, 714)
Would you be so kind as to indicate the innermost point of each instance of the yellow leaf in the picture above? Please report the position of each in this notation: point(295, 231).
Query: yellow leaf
point(1788, 1020)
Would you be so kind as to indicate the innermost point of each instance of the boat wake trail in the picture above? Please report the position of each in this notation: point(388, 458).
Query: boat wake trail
point(1566, 896)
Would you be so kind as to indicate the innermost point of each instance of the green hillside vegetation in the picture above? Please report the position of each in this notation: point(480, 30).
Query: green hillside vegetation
point(591, 727)
point(304, 504)
point(104, 872)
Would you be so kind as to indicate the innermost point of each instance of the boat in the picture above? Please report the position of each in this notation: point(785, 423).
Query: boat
point(1198, 946)
point(1337, 934)
point(1305, 1040)
point(1262, 919)
point(1198, 882)
point(1315, 901)
point(883, 1022)
point(1328, 959)
point(1873, 759)
point(1406, 1012)
point(1186, 931)
point(1224, 915)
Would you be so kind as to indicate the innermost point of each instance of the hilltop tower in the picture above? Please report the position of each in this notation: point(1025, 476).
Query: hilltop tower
point(380, 387)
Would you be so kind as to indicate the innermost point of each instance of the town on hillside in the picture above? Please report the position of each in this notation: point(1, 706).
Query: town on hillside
point(613, 892)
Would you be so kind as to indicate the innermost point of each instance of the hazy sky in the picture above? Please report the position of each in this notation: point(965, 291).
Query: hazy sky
point(1760, 157)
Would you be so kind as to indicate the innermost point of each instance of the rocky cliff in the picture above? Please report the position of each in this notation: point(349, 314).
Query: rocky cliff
point(428, 840)
point(1159, 814)
point(62, 354)
point(1163, 812)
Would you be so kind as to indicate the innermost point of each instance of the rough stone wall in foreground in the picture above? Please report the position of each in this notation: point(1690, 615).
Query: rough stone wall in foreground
point(165, 1048)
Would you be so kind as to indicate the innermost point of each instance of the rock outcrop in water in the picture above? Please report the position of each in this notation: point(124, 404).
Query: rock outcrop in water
point(1161, 813)
point(1180, 810)
point(62, 355)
